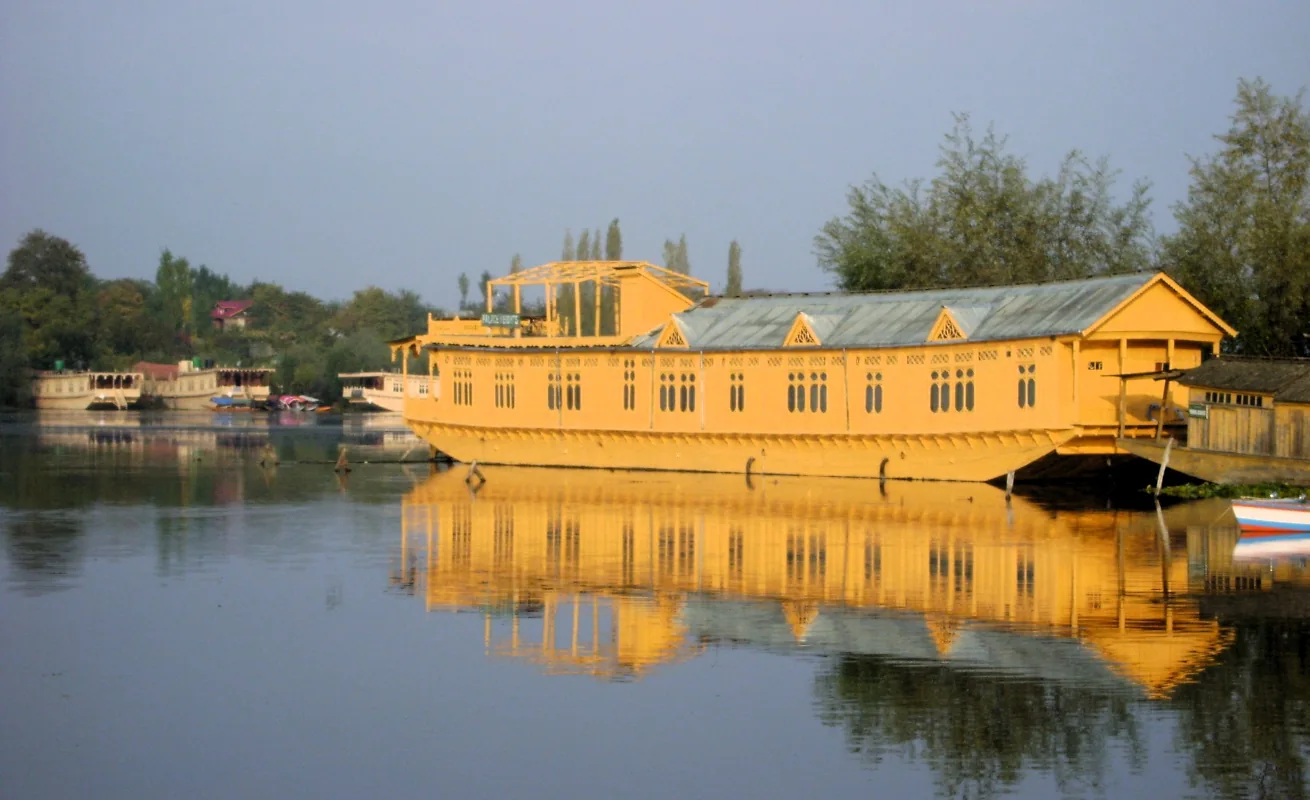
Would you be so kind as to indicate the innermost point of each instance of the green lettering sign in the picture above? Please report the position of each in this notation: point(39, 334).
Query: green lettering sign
point(500, 320)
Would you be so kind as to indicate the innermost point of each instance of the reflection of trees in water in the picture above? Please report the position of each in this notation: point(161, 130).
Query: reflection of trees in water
point(1243, 725)
point(1245, 722)
point(980, 734)
point(44, 549)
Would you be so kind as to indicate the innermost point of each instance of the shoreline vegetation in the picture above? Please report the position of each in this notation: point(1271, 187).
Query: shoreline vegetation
point(1242, 246)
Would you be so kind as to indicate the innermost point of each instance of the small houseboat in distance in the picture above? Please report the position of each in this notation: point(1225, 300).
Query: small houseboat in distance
point(382, 390)
point(1248, 422)
point(952, 384)
point(193, 385)
point(82, 391)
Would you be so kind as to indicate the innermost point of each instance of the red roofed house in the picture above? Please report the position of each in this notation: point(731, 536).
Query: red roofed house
point(230, 313)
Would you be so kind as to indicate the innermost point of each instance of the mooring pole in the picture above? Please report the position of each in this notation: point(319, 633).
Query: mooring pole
point(1164, 464)
point(1009, 484)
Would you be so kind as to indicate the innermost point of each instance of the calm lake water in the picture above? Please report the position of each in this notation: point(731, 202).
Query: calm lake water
point(178, 621)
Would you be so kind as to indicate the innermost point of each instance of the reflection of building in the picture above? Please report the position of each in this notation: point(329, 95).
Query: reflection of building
point(611, 573)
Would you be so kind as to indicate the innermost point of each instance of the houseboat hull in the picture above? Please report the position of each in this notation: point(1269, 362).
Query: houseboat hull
point(380, 402)
point(945, 457)
point(1213, 466)
point(90, 401)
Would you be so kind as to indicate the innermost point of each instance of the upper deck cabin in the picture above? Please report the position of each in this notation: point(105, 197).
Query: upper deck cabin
point(644, 296)
point(918, 367)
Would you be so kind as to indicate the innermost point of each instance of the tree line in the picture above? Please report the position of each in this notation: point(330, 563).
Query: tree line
point(54, 309)
point(1242, 245)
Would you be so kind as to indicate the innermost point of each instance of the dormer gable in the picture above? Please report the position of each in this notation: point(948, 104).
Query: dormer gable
point(947, 328)
point(802, 333)
point(673, 336)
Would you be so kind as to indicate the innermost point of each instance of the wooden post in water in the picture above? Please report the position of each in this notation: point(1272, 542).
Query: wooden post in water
point(1009, 484)
point(1164, 401)
point(342, 464)
point(1164, 464)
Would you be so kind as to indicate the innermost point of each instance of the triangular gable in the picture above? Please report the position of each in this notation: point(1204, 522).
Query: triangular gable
point(1131, 314)
point(946, 328)
point(800, 616)
point(802, 333)
point(943, 632)
point(673, 335)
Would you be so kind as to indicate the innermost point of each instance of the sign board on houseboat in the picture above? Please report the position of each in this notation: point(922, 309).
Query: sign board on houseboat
point(500, 320)
point(1200, 410)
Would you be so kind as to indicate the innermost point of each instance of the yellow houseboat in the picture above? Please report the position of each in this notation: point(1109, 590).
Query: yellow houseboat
point(957, 384)
point(82, 391)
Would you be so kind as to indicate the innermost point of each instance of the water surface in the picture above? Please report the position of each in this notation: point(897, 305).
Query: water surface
point(177, 619)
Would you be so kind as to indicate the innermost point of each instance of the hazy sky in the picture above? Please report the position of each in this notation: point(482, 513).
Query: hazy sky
point(329, 145)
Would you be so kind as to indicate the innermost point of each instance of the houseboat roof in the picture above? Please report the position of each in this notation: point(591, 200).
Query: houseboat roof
point(889, 319)
point(1287, 379)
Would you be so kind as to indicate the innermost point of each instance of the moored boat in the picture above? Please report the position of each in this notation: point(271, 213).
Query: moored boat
point(83, 391)
point(1286, 515)
point(195, 384)
point(651, 373)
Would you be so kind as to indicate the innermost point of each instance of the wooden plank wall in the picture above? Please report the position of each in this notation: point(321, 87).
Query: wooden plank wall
point(1292, 438)
point(1234, 429)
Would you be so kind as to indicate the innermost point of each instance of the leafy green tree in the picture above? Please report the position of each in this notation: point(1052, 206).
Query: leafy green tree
point(382, 314)
point(1243, 240)
point(570, 252)
point(733, 288)
point(49, 286)
point(281, 317)
point(982, 220)
point(126, 326)
point(614, 242)
point(42, 261)
point(595, 245)
point(15, 383)
point(516, 264)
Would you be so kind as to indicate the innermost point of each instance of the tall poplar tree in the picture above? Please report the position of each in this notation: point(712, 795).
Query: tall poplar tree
point(570, 252)
point(463, 290)
point(733, 288)
point(613, 242)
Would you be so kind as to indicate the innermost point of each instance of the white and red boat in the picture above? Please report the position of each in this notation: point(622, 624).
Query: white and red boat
point(1272, 528)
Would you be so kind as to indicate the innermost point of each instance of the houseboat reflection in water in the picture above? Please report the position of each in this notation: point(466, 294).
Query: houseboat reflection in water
point(613, 574)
